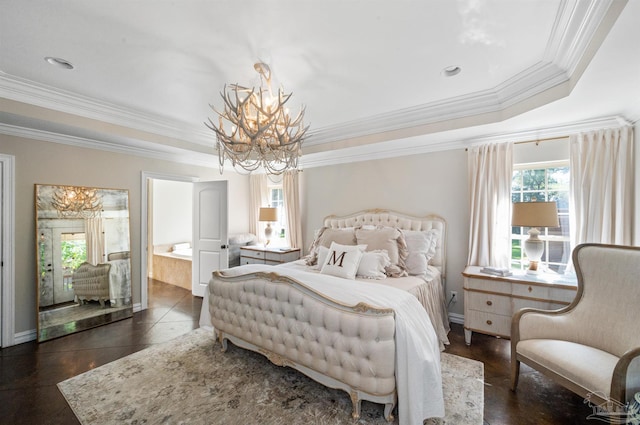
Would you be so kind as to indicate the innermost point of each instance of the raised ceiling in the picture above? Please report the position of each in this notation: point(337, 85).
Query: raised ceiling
point(369, 72)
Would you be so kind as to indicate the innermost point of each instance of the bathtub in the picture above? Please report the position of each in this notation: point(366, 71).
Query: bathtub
point(172, 266)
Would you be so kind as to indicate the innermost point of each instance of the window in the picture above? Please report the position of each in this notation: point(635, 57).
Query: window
point(548, 182)
point(276, 200)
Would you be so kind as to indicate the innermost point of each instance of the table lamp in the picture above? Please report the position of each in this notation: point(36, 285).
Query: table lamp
point(268, 215)
point(534, 215)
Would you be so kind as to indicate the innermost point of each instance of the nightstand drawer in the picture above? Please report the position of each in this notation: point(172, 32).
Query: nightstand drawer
point(494, 324)
point(490, 303)
point(488, 284)
point(252, 254)
point(531, 291)
point(249, 260)
point(282, 257)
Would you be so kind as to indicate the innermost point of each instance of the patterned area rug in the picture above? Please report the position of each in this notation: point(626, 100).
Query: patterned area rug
point(190, 381)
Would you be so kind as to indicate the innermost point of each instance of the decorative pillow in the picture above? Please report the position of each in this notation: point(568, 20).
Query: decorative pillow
point(342, 260)
point(389, 239)
point(323, 251)
point(421, 246)
point(373, 265)
point(324, 237)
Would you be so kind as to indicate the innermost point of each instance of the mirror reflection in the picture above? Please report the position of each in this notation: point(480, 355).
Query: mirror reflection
point(83, 264)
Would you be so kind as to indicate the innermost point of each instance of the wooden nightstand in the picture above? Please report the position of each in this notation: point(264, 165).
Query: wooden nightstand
point(272, 256)
point(490, 301)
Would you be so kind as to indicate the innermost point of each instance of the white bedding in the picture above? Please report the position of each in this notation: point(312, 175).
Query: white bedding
point(427, 289)
point(120, 282)
point(418, 374)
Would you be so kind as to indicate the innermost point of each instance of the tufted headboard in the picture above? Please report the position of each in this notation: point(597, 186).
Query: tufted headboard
point(401, 221)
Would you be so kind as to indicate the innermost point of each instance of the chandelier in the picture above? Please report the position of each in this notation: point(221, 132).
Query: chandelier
point(260, 132)
point(76, 202)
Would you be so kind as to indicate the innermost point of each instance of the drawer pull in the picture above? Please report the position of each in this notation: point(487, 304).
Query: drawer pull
point(489, 302)
point(530, 289)
point(489, 322)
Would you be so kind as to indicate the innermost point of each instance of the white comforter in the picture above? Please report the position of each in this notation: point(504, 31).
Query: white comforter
point(418, 375)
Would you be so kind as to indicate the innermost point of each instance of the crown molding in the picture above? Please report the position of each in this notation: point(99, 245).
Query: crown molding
point(30, 92)
point(126, 147)
point(416, 146)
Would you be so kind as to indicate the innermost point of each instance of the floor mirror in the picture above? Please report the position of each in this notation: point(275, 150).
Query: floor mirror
point(83, 258)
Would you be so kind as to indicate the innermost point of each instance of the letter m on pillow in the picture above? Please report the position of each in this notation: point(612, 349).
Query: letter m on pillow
point(335, 259)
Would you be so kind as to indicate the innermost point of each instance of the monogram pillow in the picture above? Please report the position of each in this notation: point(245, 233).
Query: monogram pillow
point(343, 260)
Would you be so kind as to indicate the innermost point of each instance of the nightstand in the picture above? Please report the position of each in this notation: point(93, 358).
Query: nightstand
point(490, 301)
point(261, 255)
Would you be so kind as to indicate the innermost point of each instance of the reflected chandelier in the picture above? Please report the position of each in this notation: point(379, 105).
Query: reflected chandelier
point(260, 133)
point(76, 202)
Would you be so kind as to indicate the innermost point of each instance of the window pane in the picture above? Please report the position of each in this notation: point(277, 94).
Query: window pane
point(533, 197)
point(538, 185)
point(533, 179)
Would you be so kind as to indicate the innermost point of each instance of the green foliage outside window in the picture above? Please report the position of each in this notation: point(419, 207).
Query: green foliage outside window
point(74, 253)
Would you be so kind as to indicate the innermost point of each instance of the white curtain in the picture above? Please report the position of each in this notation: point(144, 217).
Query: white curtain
point(601, 186)
point(490, 169)
point(94, 233)
point(259, 197)
point(291, 193)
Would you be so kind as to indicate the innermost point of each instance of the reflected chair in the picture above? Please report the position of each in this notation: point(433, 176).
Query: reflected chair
point(592, 346)
point(91, 283)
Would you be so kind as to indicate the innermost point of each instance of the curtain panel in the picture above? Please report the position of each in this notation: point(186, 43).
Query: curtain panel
point(490, 170)
point(94, 234)
point(259, 197)
point(291, 193)
point(601, 186)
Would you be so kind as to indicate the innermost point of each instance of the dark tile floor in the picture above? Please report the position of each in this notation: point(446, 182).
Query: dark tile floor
point(29, 372)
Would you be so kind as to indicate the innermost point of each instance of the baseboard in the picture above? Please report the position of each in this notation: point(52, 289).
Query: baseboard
point(137, 307)
point(456, 318)
point(26, 336)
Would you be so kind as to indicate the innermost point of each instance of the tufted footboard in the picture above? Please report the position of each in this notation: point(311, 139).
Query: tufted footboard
point(351, 348)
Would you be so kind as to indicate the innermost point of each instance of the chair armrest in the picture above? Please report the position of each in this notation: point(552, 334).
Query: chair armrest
point(626, 375)
point(546, 318)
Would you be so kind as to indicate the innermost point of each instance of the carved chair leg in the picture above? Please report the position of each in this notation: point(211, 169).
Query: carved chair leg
point(515, 373)
point(388, 409)
point(355, 400)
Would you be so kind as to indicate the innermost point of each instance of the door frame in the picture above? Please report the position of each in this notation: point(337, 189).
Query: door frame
point(8, 282)
point(144, 231)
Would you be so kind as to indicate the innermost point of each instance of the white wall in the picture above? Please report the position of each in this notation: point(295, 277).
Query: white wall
point(434, 183)
point(172, 207)
point(419, 185)
point(53, 163)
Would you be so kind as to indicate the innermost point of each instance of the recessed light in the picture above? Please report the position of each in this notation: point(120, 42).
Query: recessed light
point(450, 71)
point(60, 63)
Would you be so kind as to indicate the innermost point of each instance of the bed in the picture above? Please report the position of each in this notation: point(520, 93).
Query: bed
point(372, 336)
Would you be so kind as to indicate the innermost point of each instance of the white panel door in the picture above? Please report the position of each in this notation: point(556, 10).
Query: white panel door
point(210, 232)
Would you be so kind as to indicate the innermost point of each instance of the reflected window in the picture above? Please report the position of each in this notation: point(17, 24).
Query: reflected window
point(73, 248)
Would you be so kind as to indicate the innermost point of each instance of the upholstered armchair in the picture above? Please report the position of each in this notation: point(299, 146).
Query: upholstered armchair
point(91, 283)
point(592, 346)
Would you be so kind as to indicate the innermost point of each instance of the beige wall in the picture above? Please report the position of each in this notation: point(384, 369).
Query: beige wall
point(52, 163)
point(434, 183)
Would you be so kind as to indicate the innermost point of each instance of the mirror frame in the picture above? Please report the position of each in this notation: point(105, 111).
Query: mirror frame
point(112, 203)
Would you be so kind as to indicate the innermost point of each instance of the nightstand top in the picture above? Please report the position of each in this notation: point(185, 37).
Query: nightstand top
point(520, 276)
point(260, 248)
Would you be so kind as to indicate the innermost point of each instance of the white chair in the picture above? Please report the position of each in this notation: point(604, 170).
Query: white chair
point(591, 347)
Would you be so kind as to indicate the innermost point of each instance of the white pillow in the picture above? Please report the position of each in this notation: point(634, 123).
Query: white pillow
point(343, 260)
point(373, 264)
point(422, 247)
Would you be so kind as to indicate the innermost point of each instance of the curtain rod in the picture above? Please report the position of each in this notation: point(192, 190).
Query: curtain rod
point(536, 141)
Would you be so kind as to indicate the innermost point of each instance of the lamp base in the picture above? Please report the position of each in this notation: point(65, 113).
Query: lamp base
point(268, 232)
point(533, 249)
